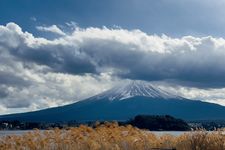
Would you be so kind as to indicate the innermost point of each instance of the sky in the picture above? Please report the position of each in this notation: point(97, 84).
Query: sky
point(55, 52)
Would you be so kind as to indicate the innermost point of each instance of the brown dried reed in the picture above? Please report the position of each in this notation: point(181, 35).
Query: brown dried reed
point(111, 136)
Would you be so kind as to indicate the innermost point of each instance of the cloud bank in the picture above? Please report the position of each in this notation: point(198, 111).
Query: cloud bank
point(61, 70)
point(126, 54)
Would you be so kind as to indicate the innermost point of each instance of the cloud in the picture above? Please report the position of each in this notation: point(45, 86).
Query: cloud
point(37, 73)
point(10, 79)
point(3, 92)
point(209, 95)
point(126, 54)
point(53, 29)
point(30, 81)
point(33, 19)
point(26, 86)
point(72, 25)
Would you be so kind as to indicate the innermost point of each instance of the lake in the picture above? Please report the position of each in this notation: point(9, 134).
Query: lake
point(20, 132)
point(13, 132)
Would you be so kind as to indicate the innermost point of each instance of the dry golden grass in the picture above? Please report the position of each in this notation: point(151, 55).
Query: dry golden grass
point(110, 136)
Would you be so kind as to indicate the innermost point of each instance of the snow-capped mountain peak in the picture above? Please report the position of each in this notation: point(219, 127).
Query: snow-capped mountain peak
point(135, 88)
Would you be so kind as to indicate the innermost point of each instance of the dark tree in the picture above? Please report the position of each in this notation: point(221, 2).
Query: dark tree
point(159, 123)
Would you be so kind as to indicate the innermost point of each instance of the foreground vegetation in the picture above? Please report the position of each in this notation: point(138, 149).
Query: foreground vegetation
point(111, 136)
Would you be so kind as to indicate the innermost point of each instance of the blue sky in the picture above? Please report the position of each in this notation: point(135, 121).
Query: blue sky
point(172, 17)
point(51, 50)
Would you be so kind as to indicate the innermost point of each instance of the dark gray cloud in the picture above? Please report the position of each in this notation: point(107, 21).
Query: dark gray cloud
point(3, 92)
point(12, 80)
point(59, 58)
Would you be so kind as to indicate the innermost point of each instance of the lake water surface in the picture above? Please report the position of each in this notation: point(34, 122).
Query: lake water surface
point(13, 132)
point(20, 132)
point(158, 133)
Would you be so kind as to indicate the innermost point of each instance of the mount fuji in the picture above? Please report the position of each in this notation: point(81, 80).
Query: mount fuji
point(124, 102)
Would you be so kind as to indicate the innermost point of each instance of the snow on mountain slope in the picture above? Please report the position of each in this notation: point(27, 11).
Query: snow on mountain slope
point(135, 88)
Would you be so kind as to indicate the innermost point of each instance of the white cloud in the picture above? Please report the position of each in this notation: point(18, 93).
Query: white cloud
point(40, 73)
point(52, 28)
point(216, 96)
point(33, 19)
point(72, 25)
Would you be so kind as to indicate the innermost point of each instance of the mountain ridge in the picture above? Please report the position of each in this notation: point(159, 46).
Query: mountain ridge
point(135, 88)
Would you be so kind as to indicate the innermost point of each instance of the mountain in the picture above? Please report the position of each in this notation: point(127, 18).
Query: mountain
point(124, 102)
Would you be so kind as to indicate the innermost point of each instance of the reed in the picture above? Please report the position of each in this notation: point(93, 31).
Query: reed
point(111, 136)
